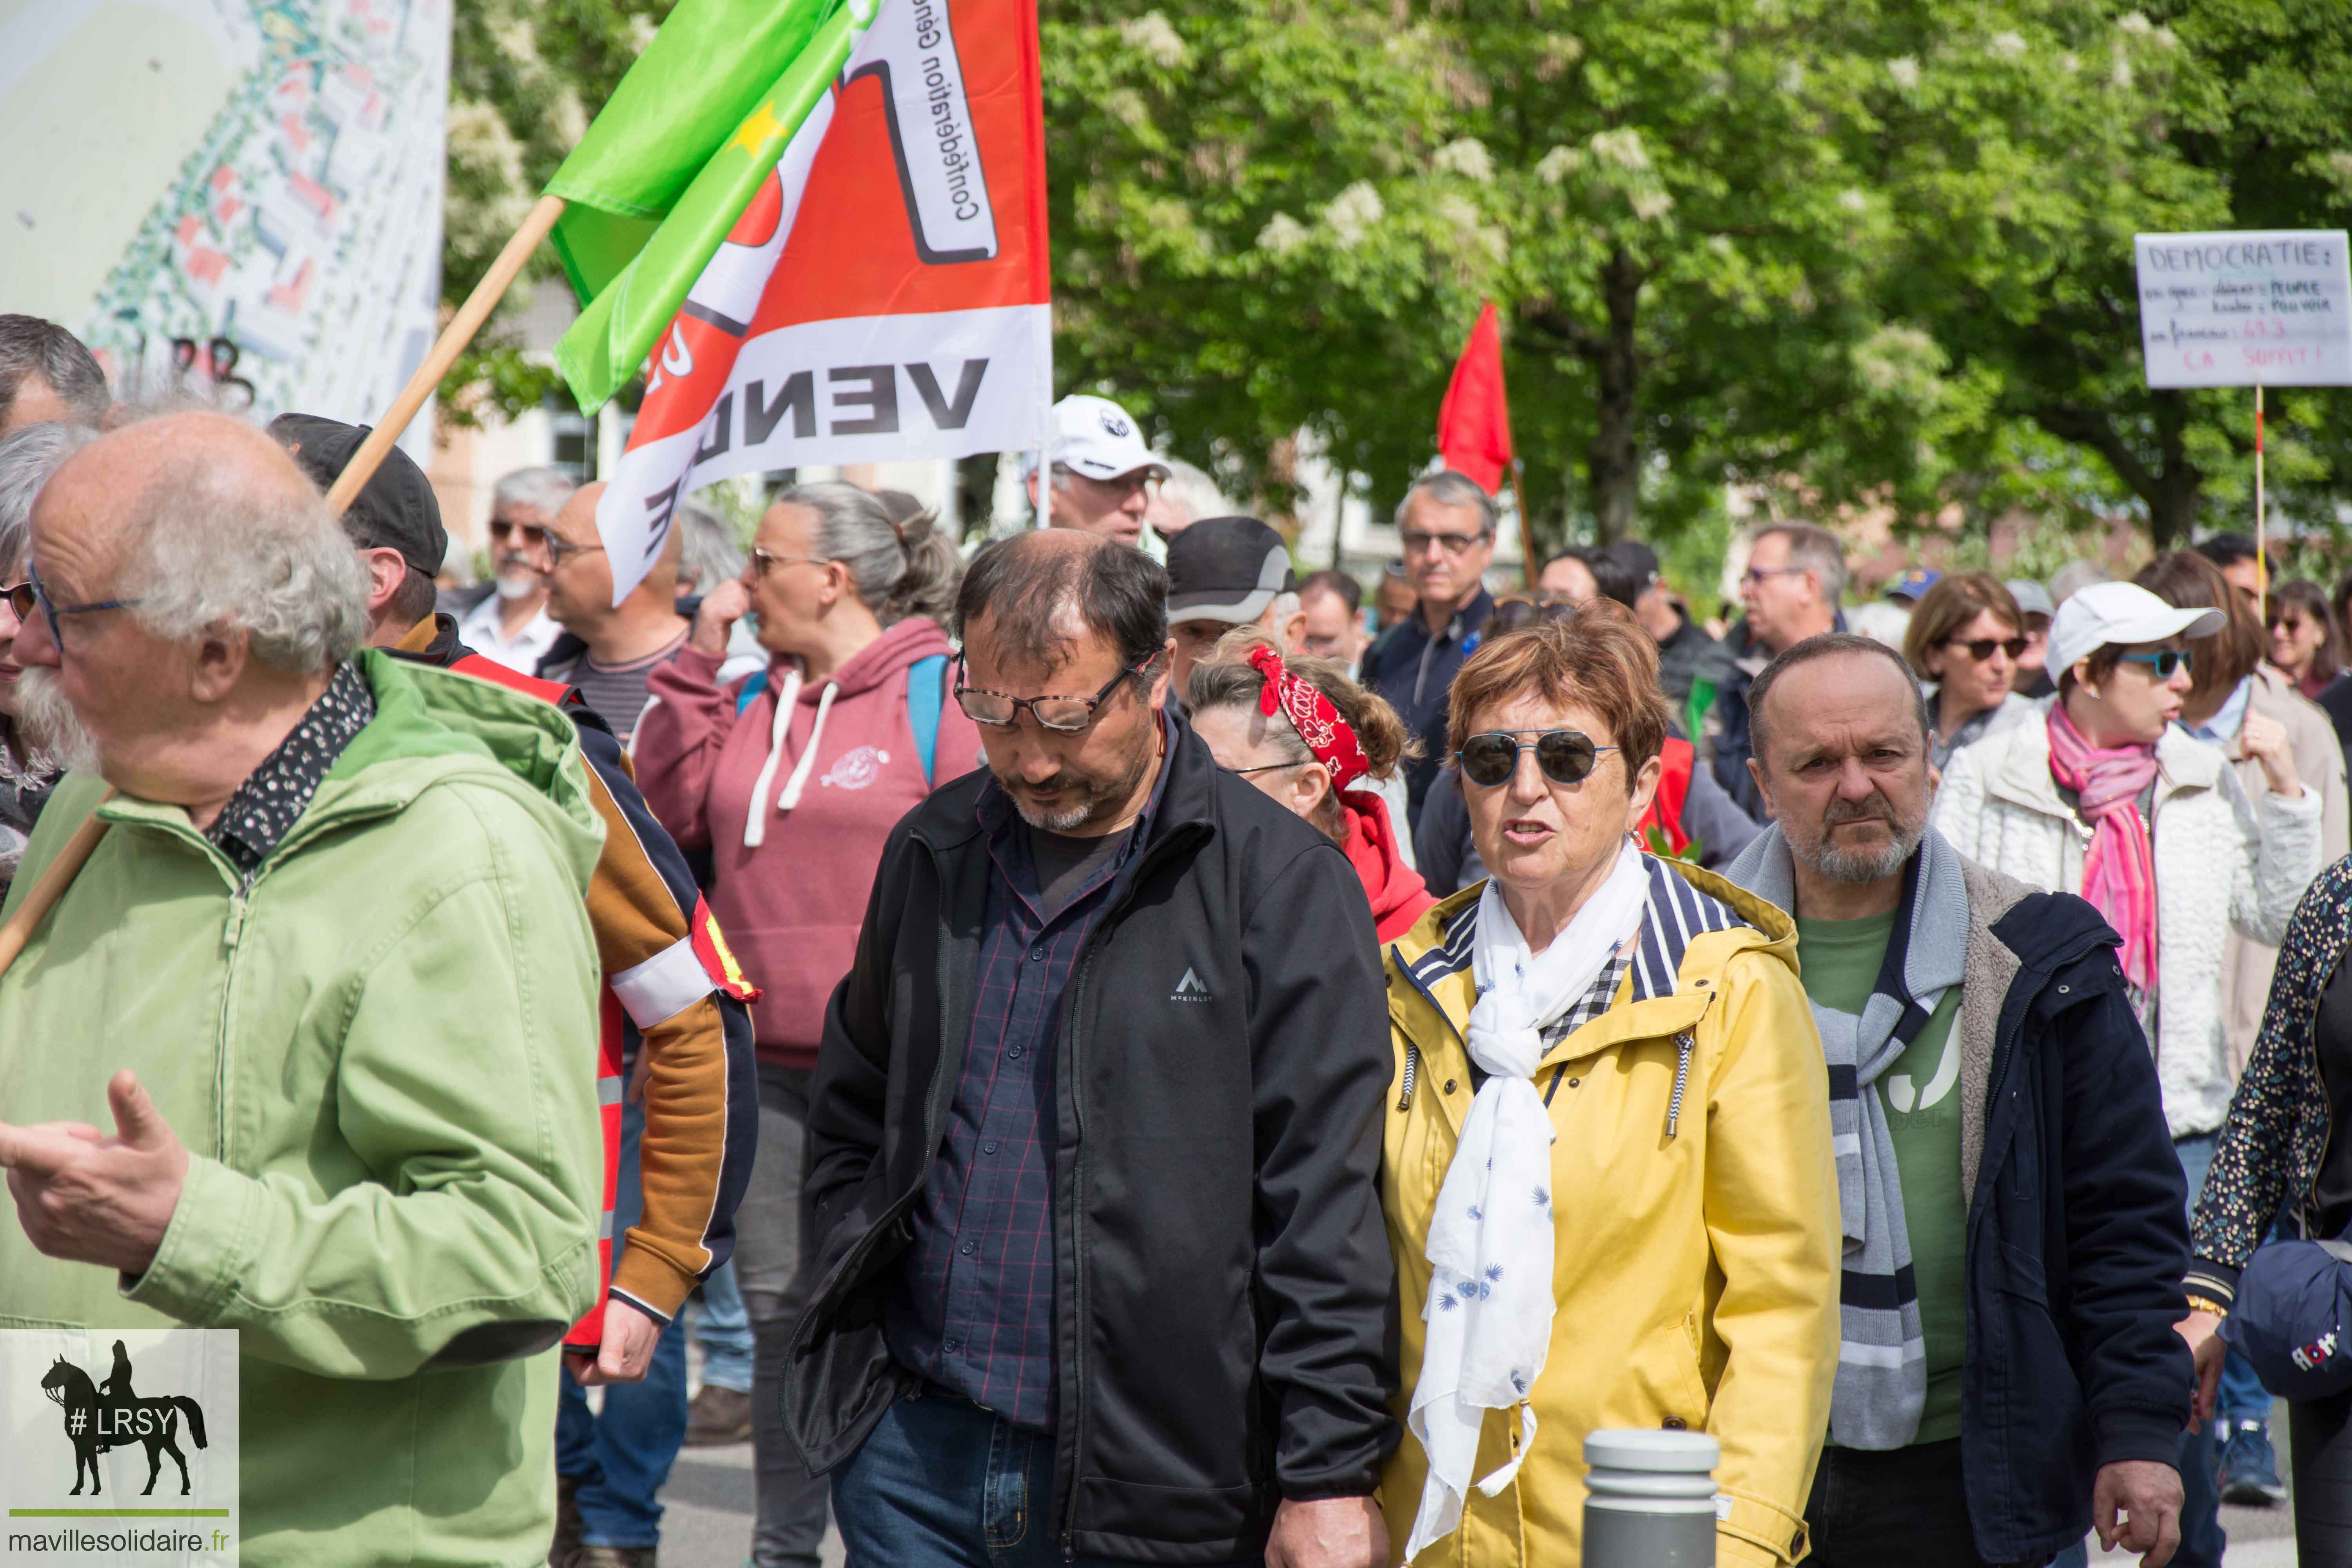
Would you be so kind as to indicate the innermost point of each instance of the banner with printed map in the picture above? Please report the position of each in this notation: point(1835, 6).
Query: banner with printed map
point(242, 197)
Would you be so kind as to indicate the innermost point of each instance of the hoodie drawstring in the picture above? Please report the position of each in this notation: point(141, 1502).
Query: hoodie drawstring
point(792, 795)
point(755, 826)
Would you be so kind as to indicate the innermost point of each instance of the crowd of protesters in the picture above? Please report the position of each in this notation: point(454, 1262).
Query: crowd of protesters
point(1141, 1055)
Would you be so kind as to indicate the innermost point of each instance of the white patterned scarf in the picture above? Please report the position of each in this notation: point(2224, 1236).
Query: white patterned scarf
point(1490, 1240)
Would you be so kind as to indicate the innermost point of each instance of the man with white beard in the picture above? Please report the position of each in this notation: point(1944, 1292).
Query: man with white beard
point(2012, 1210)
point(511, 625)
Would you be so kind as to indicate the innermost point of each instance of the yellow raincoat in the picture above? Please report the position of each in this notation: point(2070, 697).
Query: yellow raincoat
point(1696, 1266)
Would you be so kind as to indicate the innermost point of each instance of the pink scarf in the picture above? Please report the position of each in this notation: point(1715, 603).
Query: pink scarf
point(2118, 872)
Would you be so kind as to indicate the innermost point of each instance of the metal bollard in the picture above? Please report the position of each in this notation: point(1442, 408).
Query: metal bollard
point(1650, 1498)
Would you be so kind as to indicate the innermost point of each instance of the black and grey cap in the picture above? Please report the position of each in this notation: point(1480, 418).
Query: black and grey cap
point(395, 510)
point(1226, 569)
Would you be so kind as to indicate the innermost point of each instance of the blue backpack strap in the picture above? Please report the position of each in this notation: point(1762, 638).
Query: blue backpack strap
point(925, 696)
point(751, 689)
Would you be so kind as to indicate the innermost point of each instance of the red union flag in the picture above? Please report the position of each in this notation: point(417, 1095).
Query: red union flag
point(883, 296)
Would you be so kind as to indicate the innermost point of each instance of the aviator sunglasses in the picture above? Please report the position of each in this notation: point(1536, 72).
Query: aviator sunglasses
point(1566, 756)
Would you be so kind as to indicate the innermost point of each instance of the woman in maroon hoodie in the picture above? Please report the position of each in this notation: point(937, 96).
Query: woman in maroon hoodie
point(792, 778)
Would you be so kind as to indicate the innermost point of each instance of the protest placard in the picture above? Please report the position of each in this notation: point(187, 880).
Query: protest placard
point(2256, 309)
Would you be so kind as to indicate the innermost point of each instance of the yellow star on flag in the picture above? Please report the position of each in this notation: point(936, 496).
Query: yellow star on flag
point(760, 131)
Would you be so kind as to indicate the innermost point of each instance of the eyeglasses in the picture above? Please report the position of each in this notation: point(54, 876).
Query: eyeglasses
point(1754, 576)
point(1138, 482)
point(2165, 664)
point(1067, 715)
point(33, 591)
point(532, 533)
point(558, 550)
point(1980, 648)
point(1270, 767)
point(763, 559)
point(1566, 756)
point(1417, 541)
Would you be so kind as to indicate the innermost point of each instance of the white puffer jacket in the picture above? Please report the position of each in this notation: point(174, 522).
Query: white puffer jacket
point(2221, 861)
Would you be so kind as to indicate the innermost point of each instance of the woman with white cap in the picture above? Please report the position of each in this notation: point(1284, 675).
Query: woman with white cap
point(2112, 799)
point(791, 779)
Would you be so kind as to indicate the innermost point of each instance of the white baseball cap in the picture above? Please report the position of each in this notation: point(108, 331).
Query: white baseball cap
point(1094, 437)
point(2119, 614)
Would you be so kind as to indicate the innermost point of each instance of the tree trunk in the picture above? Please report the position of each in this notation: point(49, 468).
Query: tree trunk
point(1613, 460)
point(2172, 493)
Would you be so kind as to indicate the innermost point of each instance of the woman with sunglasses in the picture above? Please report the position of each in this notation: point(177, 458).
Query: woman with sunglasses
point(28, 456)
point(1606, 1172)
point(1305, 734)
point(789, 779)
point(1964, 640)
point(2114, 800)
point(2303, 642)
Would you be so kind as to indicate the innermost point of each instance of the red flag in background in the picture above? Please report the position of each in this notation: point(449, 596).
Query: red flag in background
point(1474, 423)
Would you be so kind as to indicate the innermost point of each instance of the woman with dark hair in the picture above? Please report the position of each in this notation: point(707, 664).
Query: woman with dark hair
point(2305, 641)
point(1305, 734)
point(1964, 641)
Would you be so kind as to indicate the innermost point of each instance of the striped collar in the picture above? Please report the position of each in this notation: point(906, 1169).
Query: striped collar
point(1675, 912)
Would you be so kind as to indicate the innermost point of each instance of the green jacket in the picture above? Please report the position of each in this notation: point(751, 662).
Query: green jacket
point(380, 1051)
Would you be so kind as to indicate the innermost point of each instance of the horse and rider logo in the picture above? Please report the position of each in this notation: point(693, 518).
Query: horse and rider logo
point(110, 1416)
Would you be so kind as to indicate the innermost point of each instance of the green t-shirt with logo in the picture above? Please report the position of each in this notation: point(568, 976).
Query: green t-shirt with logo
point(1841, 961)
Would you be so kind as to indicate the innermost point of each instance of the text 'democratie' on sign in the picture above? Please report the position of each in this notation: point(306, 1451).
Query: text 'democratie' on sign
point(118, 1445)
point(2255, 309)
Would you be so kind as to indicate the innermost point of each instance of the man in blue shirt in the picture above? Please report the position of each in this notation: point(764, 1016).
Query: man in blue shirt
point(1446, 524)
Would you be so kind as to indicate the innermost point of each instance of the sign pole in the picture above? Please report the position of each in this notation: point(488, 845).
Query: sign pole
point(2261, 538)
point(445, 351)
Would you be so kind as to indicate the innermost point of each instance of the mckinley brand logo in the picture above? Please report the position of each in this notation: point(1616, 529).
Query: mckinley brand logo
point(121, 1446)
point(1190, 989)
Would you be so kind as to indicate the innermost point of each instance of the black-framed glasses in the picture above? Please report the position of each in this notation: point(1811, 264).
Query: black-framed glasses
point(1566, 756)
point(33, 591)
point(1269, 767)
point(1067, 715)
point(2167, 662)
point(531, 534)
point(1416, 540)
point(763, 559)
point(558, 550)
point(1980, 648)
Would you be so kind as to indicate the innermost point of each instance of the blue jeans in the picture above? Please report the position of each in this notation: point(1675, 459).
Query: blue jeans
point(2202, 1540)
point(724, 1332)
point(621, 1454)
point(943, 1483)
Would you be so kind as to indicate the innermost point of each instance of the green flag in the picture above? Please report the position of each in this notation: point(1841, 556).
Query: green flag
point(674, 158)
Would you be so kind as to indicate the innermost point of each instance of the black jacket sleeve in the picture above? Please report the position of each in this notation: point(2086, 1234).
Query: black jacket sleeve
point(1319, 1041)
point(848, 1093)
point(2126, 1215)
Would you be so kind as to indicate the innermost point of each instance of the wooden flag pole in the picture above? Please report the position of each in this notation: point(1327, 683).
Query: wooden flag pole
point(460, 332)
point(452, 343)
point(51, 886)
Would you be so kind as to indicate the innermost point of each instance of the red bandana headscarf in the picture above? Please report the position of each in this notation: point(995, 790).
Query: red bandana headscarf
point(1399, 896)
point(1310, 713)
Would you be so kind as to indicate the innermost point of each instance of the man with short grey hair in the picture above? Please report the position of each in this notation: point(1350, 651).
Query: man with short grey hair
point(512, 624)
point(29, 454)
point(1446, 524)
point(46, 376)
point(1795, 576)
point(328, 973)
point(2015, 1233)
